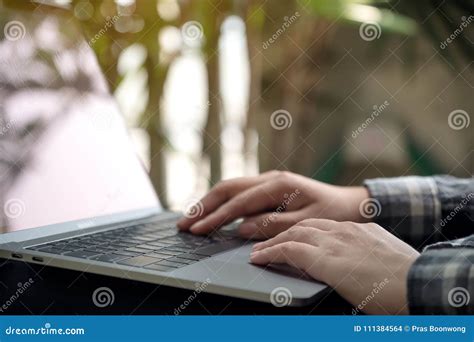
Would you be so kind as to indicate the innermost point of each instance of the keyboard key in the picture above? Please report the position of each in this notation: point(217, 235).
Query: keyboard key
point(160, 255)
point(158, 267)
point(139, 261)
point(127, 253)
point(100, 250)
point(169, 252)
point(217, 248)
point(143, 238)
point(52, 250)
point(169, 263)
point(133, 242)
point(180, 249)
point(146, 246)
point(81, 254)
point(157, 243)
point(137, 250)
point(182, 261)
point(109, 257)
point(191, 256)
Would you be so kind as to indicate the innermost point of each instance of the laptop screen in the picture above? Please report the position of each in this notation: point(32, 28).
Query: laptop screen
point(64, 150)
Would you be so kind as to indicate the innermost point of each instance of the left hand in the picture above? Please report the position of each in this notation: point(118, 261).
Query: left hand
point(363, 262)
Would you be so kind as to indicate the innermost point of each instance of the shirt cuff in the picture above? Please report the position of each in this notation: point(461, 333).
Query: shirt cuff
point(409, 208)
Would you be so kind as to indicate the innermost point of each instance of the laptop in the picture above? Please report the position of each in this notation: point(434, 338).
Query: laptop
point(73, 191)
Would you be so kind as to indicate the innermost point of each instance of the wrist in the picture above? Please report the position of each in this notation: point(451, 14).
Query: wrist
point(355, 197)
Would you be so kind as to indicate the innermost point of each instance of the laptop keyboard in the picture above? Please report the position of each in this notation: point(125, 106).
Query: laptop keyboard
point(157, 246)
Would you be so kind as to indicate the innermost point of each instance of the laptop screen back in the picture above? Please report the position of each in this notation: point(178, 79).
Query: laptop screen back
point(64, 150)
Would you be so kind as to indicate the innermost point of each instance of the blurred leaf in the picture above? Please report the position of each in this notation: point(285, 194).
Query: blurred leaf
point(361, 12)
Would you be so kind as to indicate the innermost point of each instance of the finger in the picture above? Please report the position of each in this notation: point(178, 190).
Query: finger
point(308, 235)
point(264, 226)
point(220, 194)
point(259, 198)
point(296, 254)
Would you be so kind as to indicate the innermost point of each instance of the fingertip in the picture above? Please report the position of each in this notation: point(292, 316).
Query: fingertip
point(181, 224)
point(198, 228)
point(257, 258)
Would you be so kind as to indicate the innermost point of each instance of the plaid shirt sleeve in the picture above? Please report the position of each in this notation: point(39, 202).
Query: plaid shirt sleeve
point(441, 281)
point(438, 211)
point(424, 210)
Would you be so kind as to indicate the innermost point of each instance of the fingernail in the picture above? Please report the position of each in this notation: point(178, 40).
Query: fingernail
point(196, 227)
point(254, 256)
point(247, 228)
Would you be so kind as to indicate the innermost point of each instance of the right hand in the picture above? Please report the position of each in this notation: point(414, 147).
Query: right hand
point(272, 202)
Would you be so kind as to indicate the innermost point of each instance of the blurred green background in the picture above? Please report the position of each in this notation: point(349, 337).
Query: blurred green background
point(335, 90)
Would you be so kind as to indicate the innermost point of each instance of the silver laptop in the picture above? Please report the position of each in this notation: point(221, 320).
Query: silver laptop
point(73, 192)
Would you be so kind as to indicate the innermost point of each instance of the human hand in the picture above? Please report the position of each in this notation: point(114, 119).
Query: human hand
point(272, 202)
point(364, 263)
